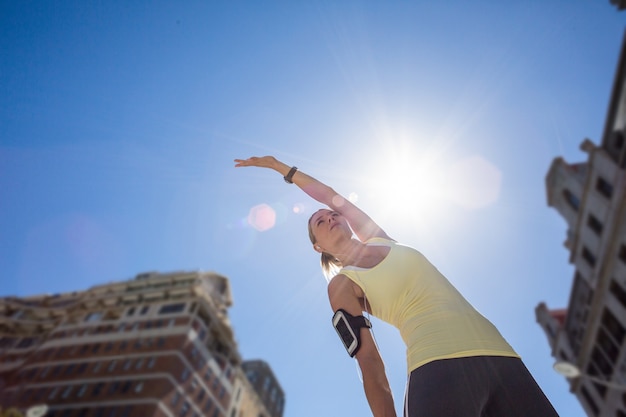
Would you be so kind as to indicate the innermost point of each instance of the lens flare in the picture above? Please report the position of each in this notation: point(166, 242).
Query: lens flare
point(262, 217)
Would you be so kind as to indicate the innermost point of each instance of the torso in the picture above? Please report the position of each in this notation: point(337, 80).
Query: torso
point(369, 257)
point(402, 288)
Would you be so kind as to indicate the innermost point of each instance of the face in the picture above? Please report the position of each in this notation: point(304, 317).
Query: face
point(326, 227)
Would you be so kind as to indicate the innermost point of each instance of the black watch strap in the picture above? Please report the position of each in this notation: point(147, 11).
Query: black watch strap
point(289, 176)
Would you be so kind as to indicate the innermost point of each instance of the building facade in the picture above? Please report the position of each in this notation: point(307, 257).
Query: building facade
point(265, 385)
point(159, 345)
point(590, 334)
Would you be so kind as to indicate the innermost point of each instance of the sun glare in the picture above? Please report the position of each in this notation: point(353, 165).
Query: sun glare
point(406, 183)
point(428, 183)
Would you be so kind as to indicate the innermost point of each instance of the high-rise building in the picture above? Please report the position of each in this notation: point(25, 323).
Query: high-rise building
point(159, 345)
point(265, 385)
point(590, 334)
point(620, 4)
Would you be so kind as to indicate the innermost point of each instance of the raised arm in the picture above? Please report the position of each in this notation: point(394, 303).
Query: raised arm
point(362, 225)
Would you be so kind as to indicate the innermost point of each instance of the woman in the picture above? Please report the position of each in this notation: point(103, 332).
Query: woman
point(458, 363)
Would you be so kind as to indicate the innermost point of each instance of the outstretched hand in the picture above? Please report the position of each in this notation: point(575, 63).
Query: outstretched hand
point(255, 161)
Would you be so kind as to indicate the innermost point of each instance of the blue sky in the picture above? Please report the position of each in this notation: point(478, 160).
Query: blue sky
point(119, 123)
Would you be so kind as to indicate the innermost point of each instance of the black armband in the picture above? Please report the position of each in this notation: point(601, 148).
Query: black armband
point(348, 328)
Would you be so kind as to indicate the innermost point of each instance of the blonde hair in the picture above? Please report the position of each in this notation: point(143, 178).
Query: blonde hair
point(330, 265)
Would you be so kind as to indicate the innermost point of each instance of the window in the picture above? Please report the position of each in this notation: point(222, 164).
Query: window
point(81, 390)
point(151, 362)
point(607, 345)
point(69, 369)
point(622, 253)
point(25, 342)
point(97, 388)
point(113, 387)
point(604, 187)
point(127, 364)
point(594, 224)
point(589, 257)
point(67, 391)
point(200, 396)
point(618, 292)
point(184, 409)
point(39, 395)
point(571, 199)
point(96, 367)
point(130, 311)
point(112, 365)
point(53, 393)
point(126, 387)
point(144, 310)
point(207, 405)
point(615, 329)
point(172, 308)
point(93, 317)
point(252, 376)
point(139, 387)
point(56, 370)
point(175, 398)
point(184, 375)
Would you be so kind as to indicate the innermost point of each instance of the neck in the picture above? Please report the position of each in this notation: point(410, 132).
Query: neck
point(349, 252)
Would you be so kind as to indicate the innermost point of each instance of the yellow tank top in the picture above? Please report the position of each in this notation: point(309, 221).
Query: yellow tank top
point(434, 319)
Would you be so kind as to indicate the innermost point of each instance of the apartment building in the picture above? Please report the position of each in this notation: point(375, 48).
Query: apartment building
point(590, 333)
point(157, 345)
point(266, 386)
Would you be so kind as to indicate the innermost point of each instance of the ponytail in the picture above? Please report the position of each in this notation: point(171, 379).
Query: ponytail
point(330, 265)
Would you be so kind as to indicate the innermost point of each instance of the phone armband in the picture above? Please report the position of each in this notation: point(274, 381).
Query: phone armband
point(348, 328)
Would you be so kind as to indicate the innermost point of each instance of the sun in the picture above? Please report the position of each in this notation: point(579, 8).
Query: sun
point(407, 182)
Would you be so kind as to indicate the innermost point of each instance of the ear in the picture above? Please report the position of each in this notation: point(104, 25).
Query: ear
point(318, 248)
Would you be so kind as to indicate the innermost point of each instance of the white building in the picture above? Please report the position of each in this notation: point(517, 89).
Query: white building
point(591, 332)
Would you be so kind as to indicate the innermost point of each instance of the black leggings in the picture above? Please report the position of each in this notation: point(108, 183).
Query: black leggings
point(477, 386)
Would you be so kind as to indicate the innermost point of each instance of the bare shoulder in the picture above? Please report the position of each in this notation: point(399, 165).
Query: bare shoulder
point(343, 292)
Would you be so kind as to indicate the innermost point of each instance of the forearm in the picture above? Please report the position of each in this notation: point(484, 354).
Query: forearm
point(311, 186)
point(377, 388)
